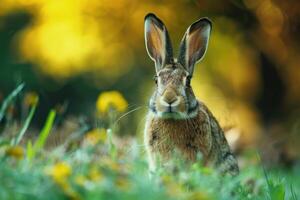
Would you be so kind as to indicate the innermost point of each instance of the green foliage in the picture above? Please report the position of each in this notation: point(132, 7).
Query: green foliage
point(277, 191)
point(112, 147)
point(9, 99)
point(99, 167)
point(40, 142)
point(45, 131)
point(25, 126)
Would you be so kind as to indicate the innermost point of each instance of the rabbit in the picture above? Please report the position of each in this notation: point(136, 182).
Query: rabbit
point(176, 120)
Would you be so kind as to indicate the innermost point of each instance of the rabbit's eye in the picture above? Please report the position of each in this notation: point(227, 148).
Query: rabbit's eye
point(188, 81)
point(155, 79)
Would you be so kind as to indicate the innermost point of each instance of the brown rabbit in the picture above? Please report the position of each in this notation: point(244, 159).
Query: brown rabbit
point(177, 121)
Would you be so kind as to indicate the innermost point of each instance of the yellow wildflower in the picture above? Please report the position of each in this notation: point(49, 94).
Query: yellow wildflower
point(31, 98)
point(199, 195)
point(68, 190)
point(111, 164)
point(174, 189)
point(95, 136)
point(122, 183)
point(166, 179)
point(111, 99)
point(15, 151)
point(80, 180)
point(60, 172)
point(95, 174)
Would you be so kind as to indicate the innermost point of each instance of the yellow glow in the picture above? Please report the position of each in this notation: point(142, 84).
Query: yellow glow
point(229, 64)
point(69, 37)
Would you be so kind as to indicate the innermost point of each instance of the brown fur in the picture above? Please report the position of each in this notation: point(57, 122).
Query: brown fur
point(176, 120)
point(190, 136)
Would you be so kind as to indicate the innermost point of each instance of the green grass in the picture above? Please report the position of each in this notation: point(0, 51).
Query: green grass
point(41, 140)
point(9, 99)
point(25, 126)
point(80, 168)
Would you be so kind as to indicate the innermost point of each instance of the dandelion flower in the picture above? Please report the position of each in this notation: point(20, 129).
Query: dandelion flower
point(111, 164)
point(174, 189)
point(95, 136)
point(15, 152)
point(60, 171)
point(95, 174)
point(198, 195)
point(122, 183)
point(80, 180)
point(111, 100)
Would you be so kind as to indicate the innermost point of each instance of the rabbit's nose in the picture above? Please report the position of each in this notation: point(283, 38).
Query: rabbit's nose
point(169, 97)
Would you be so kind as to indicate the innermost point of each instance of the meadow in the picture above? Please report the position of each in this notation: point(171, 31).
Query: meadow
point(75, 83)
point(97, 163)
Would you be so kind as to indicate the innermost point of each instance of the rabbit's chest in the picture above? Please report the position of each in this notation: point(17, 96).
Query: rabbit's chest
point(175, 140)
point(179, 145)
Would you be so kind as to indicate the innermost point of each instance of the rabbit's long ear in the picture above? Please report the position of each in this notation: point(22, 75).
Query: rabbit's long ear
point(194, 43)
point(158, 42)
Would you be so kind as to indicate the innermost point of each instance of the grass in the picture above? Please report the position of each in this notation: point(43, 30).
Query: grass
point(9, 99)
point(25, 126)
point(94, 165)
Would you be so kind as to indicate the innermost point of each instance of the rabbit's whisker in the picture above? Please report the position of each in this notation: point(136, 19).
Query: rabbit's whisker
point(127, 113)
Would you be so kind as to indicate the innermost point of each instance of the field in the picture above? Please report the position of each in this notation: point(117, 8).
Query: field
point(76, 78)
point(97, 163)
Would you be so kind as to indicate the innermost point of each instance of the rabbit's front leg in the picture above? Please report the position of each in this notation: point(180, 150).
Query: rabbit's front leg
point(149, 140)
point(152, 162)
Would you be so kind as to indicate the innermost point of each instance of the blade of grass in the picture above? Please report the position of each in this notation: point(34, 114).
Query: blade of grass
point(293, 193)
point(45, 131)
point(25, 126)
point(265, 175)
point(29, 149)
point(112, 147)
point(9, 98)
point(40, 142)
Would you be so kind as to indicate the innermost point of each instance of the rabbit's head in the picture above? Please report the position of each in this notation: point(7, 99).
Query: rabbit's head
point(173, 96)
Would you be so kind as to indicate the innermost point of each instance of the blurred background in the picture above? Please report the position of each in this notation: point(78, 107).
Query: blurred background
point(69, 51)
